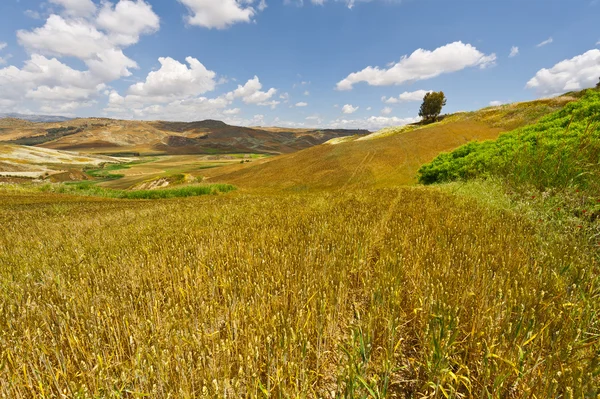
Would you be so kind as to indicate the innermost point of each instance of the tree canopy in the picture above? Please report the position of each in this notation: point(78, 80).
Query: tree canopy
point(433, 103)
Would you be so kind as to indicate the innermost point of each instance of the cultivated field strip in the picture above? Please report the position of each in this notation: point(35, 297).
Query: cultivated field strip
point(404, 293)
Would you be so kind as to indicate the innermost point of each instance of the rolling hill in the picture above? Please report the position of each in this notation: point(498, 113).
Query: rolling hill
point(108, 136)
point(385, 158)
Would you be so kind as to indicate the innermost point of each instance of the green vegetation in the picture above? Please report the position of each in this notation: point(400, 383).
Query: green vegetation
point(90, 189)
point(431, 108)
point(104, 172)
point(51, 134)
point(561, 151)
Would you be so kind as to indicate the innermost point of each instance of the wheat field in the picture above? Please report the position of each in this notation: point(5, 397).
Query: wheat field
point(400, 292)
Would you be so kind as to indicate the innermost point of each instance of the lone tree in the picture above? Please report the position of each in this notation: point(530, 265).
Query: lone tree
point(432, 106)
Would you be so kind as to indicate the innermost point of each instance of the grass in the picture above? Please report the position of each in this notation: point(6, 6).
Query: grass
point(486, 288)
point(561, 151)
point(90, 189)
point(386, 161)
point(105, 174)
point(408, 292)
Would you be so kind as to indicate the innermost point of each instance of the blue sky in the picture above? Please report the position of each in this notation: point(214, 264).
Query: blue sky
point(328, 63)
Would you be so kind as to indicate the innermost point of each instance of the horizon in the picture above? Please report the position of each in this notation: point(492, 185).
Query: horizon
point(192, 60)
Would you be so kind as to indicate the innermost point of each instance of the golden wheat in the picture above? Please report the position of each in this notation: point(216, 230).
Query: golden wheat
point(407, 293)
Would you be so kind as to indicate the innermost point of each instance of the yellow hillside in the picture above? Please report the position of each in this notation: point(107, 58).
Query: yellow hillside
point(385, 158)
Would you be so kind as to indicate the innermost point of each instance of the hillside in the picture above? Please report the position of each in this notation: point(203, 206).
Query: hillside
point(34, 162)
point(388, 157)
point(560, 151)
point(108, 136)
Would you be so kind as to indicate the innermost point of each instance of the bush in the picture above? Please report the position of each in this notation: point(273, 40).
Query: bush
point(561, 150)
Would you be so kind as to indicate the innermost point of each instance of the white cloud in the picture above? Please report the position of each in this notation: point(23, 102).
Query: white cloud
point(407, 96)
point(496, 103)
point(175, 79)
point(386, 111)
point(349, 109)
point(349, 3)
point(33, 14)
point(545, 42)
point(220, 14)
point(127, 20)
point(301, 104)
point(49, 82)
point(576, 73)
point(188, 109)
point(65, 37)
point(171, 93)
point(251, 93)
point(514, 51)
point(307, 93)
point(76, 8)
point(369, 108)
point(371, 123)
point(95, 37)
point(2, 60)
point(273, 104)
point(421, 65)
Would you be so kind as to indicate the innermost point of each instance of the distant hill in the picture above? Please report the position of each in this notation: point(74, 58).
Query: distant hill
point(389, 157)
point(35, 118)
point(108, 136)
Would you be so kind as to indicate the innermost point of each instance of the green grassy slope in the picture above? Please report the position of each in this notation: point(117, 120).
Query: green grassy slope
point(562, 150)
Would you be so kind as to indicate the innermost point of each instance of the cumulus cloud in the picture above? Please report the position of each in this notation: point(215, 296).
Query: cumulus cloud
point(386, 111)
point(2, 46)
point(545, 42)
point(371, 123)
point(496, 103)
point(220, 14)
point(76, 8)
point(49, 82)
point(420, 65)
point(251, 93)
point(349, 109)
point(301, 104)
point(407, 96)
point(514, 51)
point(127, 20)
point(96, 37)
point(576, 73)
point(175, 79)
point(172, 93)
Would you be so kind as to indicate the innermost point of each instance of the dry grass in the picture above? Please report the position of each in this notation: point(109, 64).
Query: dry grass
point(408, 293)
point(389, 160)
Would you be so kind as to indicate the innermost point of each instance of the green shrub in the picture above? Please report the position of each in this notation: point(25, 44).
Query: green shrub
point(90, 189)
point(561, 150)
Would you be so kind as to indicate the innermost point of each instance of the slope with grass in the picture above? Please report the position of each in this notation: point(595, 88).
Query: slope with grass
point(561, 151)
point(107, 136)
point(389, 157)
point(34, 162)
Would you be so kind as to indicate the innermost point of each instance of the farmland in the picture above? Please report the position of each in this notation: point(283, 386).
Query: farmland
point(325, 273)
